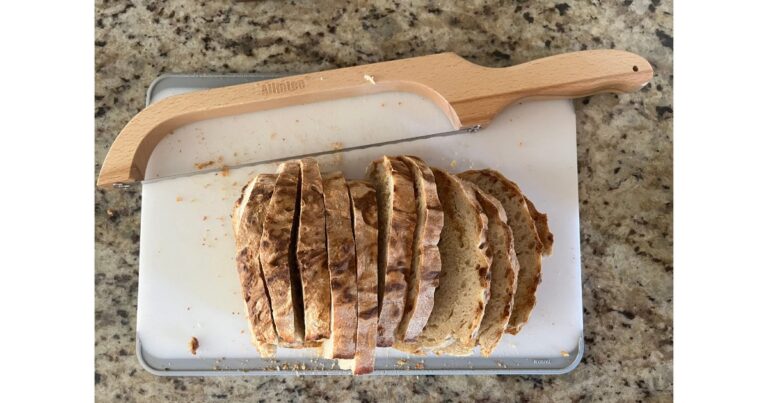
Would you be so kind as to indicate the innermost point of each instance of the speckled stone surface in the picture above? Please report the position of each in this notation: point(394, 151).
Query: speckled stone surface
point(624, 155)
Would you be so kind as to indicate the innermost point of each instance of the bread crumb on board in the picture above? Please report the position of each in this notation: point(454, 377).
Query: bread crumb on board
point(337, 145)
point(203, 165)
point(565, 354)
point(369, 78)
point(179, 199)
point(193, 345)
point(225, 171)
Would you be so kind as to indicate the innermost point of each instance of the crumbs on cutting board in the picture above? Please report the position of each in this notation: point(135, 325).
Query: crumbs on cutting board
point(203, 165)
point(565, 354)
point(369, 78)
point(179, 199)
point(224, 171)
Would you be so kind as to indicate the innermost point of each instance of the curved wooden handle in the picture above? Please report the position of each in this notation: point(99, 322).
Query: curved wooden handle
point(470, 95)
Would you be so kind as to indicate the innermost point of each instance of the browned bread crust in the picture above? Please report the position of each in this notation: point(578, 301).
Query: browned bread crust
point(425, 269)
point(278, 255)
point(341, 263)
point(542, 228)
point(247, 223)
point(397, 221)
point(463, 289)
point(527, 244)
point(311, 255)
point(365, 220)
point(503, 273)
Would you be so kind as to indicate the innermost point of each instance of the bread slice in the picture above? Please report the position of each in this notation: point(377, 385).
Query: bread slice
point(542, 228)
point(425, 267)
point(341, 263)
point(278, 256)
point(397, 222)
point(463, 288)
point(527, 245)
point(311, 255)
point(504, 271)
point(365, 222)
point(247, 223)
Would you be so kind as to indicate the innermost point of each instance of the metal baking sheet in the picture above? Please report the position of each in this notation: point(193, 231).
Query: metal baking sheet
point(163, 325)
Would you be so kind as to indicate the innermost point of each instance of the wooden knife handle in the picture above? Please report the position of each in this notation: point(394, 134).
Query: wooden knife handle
point(470, 95)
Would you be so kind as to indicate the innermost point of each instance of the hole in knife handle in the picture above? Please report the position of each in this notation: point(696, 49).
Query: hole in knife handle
point(635, 69)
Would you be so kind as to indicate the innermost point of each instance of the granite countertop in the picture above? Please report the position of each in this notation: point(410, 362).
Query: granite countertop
point(624, 155)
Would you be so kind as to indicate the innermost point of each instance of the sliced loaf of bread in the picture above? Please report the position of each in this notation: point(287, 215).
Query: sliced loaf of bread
point(527, 245)
point(278, 256)
point(504, 271)
point(247, 223)
point(425, 267)
point(342, 266)
point(463, 288)
point(365, 221)
point(397, 221)
point(311, 255)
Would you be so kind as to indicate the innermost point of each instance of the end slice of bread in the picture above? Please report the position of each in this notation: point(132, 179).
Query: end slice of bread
point(312, 256)
point(247, 223)
point(425, 267)
point(342, 267)
point(527, 244)
point(463, 287)
point(504, 271)
point(278, 256)
point(365, 221)
point(397, 221)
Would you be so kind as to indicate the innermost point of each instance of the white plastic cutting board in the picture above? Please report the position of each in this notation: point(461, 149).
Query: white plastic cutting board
point(188, 285)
